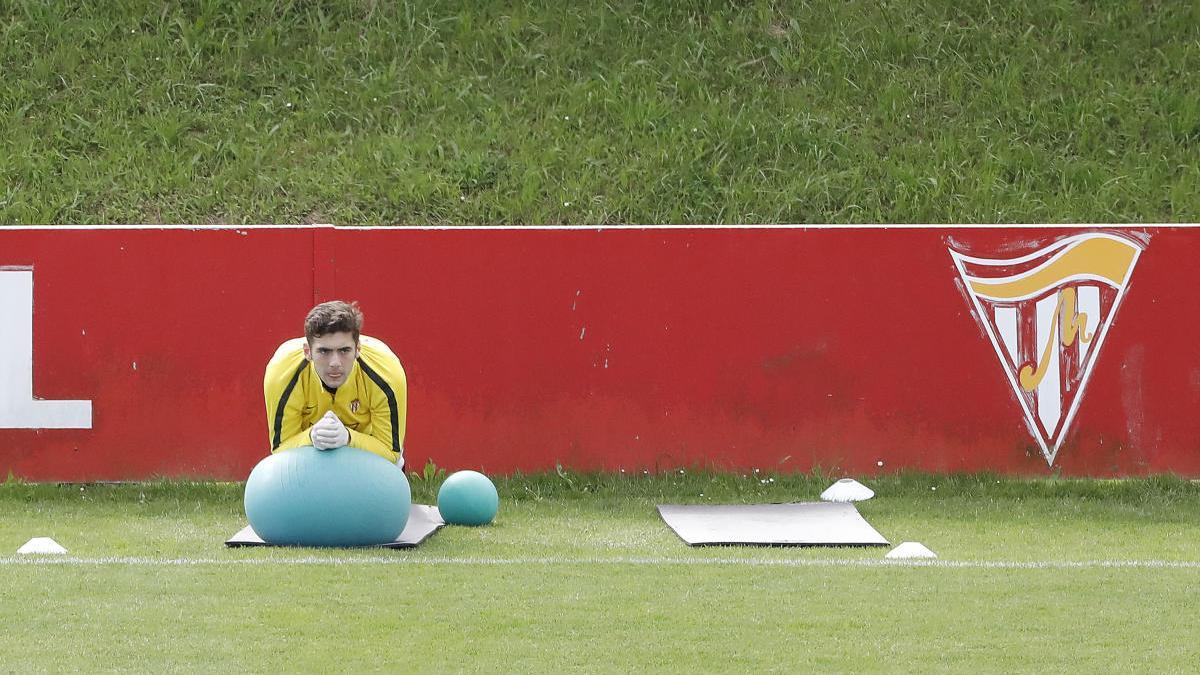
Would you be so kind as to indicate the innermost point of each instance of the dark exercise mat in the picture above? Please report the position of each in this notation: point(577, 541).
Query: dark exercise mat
point(423, 521)
point(802, 524)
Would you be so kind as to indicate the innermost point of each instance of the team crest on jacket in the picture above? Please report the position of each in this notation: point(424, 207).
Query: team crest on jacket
point(354, 405)
point(1047, 314)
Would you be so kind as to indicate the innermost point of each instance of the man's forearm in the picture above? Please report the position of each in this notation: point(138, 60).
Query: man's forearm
point(372, 444)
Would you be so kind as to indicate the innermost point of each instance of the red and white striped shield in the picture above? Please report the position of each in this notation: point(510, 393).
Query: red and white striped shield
point(1047, 314)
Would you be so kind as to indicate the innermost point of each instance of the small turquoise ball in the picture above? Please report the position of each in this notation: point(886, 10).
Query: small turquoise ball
point(468, 498)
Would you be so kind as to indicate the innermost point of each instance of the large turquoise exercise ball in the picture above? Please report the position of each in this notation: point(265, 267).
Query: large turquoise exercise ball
point(341, 497)
point(468, 498)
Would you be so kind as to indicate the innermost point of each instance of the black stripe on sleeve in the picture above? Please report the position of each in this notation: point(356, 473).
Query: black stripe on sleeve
point(287, 393)
point(391, 397)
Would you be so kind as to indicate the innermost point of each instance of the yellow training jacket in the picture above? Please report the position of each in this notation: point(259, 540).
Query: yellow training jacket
point(371, 402)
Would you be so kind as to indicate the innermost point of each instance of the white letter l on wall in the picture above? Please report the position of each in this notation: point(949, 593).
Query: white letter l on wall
point(18, 408)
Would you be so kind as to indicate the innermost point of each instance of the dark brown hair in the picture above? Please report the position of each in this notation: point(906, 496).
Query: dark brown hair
point(334, 316)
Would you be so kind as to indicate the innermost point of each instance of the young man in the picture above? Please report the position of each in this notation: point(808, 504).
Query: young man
point(334, 388)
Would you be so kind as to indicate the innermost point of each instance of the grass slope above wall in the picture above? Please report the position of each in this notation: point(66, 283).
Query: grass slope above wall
point(544, 113)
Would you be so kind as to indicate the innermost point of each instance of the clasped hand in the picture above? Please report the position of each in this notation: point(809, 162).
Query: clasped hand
point(329, 433)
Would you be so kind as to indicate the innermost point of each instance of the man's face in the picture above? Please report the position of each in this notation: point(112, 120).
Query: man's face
point(333, 356)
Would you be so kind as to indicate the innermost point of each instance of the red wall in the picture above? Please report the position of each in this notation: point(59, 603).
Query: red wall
point(778, 348)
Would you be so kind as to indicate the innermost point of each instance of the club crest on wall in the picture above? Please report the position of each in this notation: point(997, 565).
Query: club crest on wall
point(1047, 314)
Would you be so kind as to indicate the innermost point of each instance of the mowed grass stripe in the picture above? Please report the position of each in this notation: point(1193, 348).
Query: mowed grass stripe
point(634, 561)
point(597, 619)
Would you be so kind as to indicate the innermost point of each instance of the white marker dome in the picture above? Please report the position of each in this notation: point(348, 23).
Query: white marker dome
point(42, 545)
point(910, 549)
point(847, 490)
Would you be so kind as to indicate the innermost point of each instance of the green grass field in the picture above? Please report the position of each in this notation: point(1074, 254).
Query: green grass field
point(450, 112)
point(579, 574)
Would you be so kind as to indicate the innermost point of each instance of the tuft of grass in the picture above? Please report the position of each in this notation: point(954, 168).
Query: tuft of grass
point(675, 486)
point(426, 482)
point(169, 493)
point(453, 112)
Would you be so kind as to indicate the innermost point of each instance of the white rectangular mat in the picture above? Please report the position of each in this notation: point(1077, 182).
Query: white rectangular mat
point(802, 524)
point(423, 521)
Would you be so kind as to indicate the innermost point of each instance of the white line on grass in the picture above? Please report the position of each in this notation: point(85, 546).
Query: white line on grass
point(649, 561)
